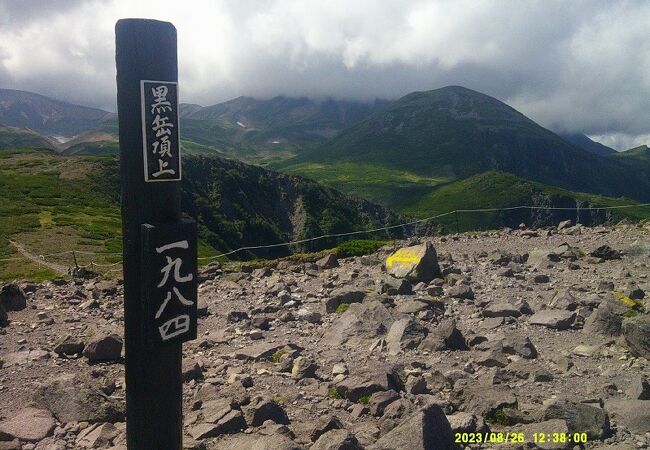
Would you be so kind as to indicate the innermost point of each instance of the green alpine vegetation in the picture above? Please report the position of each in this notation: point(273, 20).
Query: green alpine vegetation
point(453, 133)
point(504, 190)
point(54, 203)
point(637, 158)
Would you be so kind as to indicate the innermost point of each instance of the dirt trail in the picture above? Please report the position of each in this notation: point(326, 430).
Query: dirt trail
point(55, 267)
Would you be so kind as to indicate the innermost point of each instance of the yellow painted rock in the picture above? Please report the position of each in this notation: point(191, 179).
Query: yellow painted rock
point(416, 263)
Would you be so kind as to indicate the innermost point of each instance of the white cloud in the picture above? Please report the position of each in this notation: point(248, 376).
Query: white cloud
point(579, 66)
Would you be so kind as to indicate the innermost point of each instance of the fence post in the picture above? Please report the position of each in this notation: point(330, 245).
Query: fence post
point(147, 100)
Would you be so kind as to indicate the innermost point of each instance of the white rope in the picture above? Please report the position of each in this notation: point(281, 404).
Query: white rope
point(301, 241)
point(351, 233)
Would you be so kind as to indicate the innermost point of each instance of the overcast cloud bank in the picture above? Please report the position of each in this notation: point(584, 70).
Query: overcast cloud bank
point(579, 66)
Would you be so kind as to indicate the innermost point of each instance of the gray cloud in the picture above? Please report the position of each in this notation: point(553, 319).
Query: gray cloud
point(574, 66)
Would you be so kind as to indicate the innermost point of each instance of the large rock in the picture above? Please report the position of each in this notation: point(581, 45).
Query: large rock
point(337, 440)
point(261, 410)
point(501, 309)
point(427, 429)
point(636, 331)
point(361, 385)
point(343, 295)
point(360, 324)
point(461, 291)
point(605, 320)
point(580, 417)
point(107, 348)
point(416, 263)
point(553, 318)
point(405, 334)
point(303, 367)
point(97, 436)
point(380, 400)
point(548, 427)
point(328, 262)
point(77, 398)
point(446, 336)
point(12, 297)
point(28, 424)
point(634, 414)
point(69, 346)
point(325, 424)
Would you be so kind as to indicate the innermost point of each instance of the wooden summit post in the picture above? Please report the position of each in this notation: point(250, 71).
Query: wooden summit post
point(160, 280)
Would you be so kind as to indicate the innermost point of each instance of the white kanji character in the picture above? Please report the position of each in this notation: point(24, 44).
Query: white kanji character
point(160, 99)
point(161, 169)
point(163, 146)
point(174, 327)
point(181, 299)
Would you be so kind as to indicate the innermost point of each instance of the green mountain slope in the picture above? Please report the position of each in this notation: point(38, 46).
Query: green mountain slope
point(453, 133)
point(12, 137)
point(494, 189)
point(53, 117)
point(54, 203)
point(637, 158)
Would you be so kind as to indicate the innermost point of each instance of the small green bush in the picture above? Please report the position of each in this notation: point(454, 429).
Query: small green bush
point(497, 417)
point(364, 399)
point(335, 394)
point(358, 247)
point(342, 308)
point(277, 356)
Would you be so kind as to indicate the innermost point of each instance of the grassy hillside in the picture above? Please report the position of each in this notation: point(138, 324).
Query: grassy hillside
point(453, 133)
point(54, 203)
point(12, 137)
point(637, 158)
point(502, 190)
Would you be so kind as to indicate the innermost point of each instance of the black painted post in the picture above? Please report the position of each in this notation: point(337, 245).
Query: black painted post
point(146, 50)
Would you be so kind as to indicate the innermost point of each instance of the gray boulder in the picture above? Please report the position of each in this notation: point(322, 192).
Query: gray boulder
point(605, 320)
point(446, 336)
point(461, 291)
point(28, 424)
point(328, 262)
point(343, 295)
point(366, 384)
point(634, 414)
point(78, 398)
point(552, 318)
point(324, 425)
point(639, 388)
point(261, 409)
point(337, 440)
point(404, 334)
point(636, 331)
point(501, 309)
point(427, 429)
point(12, 297)
point(580, 417)
point(359, 325)
point(107, 348)
point(416, 263)
point(69, 346)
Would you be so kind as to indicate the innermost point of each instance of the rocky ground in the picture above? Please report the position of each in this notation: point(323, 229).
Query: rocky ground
point(515, 332)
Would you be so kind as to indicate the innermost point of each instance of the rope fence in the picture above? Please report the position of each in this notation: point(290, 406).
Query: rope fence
point(324, 236)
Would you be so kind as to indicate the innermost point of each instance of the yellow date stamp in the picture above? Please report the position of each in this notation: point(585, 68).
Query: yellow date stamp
point(520, 438)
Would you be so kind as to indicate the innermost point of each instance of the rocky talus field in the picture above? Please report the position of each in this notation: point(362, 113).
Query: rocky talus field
point(494, 334)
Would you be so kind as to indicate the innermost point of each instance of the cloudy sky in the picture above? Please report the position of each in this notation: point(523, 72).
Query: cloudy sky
point(571, 66)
